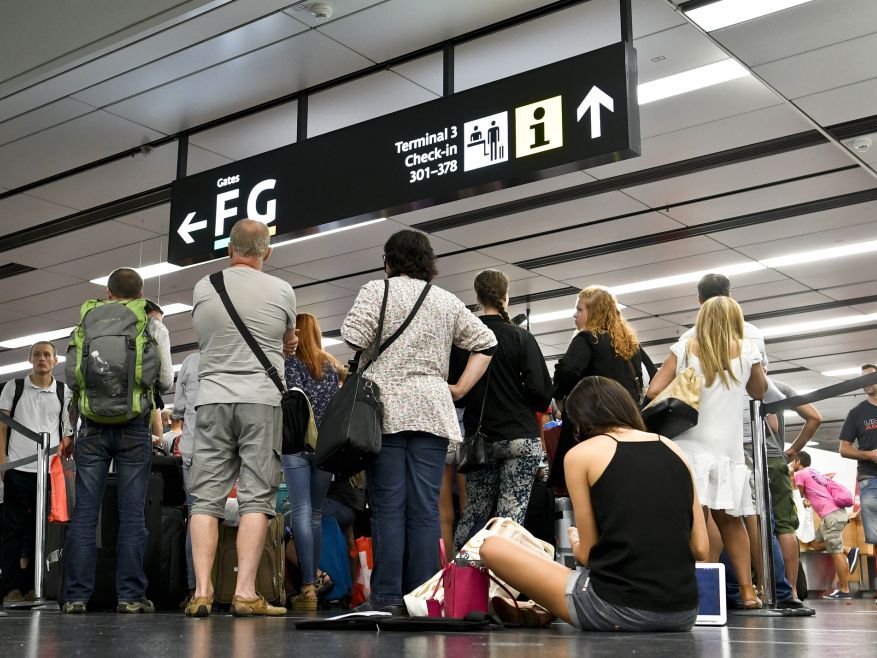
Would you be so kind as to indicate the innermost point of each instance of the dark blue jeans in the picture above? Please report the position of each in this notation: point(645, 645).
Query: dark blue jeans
point(403, 490)
point(130, 446)
point(784, 589)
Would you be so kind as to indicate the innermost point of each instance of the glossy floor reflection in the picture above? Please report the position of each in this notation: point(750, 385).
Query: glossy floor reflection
point(839, 628)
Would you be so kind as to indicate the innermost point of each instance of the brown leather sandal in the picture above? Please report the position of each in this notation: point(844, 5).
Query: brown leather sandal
point(749, 597)
point(528, 614)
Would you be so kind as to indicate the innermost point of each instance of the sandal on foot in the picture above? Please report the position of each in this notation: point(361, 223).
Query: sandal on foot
point(303, 603)
point(749, 597)
point(323, 583)
point(528, 614)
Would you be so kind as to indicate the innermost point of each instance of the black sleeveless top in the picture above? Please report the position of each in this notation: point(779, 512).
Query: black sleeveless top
point(643, 509)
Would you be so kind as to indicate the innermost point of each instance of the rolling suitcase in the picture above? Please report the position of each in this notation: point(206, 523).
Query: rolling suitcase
point(269, 577)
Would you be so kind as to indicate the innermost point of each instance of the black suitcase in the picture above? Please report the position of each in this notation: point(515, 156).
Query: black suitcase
point(170, 585)
point(539, 519)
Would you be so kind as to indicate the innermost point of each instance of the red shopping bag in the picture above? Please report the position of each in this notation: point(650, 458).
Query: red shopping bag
point(62, 474)
point(362, 585)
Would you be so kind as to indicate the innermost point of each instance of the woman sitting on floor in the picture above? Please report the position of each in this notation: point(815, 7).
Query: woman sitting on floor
point(637, 488)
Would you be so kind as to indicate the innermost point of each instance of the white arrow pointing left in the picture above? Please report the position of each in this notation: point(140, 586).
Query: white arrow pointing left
point(188, 226)
point(595, 98)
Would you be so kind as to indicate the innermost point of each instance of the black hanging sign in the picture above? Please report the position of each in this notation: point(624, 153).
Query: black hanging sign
point(573, 114)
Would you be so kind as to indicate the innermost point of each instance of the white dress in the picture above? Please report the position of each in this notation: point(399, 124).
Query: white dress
point(715, 445)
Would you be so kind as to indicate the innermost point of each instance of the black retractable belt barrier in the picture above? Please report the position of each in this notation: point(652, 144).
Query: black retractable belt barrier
point(42, 440)
point(762, 486)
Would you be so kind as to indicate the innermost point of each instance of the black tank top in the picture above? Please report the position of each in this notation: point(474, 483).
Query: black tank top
point(643, 508)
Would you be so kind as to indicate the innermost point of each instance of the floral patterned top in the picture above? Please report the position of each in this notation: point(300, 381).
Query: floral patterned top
point(319, 391)
point(413, 371)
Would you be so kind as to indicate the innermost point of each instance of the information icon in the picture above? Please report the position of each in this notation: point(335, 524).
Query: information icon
point(539, 127)
point(486, 141)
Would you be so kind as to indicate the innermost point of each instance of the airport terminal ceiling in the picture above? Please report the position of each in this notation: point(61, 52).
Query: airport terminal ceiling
point(764, 173)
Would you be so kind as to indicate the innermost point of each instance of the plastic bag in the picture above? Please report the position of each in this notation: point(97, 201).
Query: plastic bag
point(362, 587)
point(62, 474)
point(806, 531)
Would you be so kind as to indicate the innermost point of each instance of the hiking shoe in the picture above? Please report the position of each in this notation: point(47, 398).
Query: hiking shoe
point(837, 595)
point(258, 606)
point(853, 558)
point(199, 606)
point(133, 607)
point(73, 608)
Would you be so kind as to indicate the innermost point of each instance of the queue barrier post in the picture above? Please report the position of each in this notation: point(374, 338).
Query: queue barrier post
point(763, 504)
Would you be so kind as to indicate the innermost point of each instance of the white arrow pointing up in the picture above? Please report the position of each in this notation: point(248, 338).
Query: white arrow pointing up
point(595, 98)
point(188, 226)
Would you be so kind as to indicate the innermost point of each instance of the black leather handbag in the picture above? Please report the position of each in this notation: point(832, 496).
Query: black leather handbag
point(293, 402)
point(350, 435)
point(473, 454)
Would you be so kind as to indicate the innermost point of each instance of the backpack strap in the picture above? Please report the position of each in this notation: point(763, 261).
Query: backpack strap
point(218, 282)
point(59, 390)
point(19, 391)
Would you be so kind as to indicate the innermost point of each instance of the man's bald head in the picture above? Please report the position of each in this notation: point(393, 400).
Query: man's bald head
point(249, 239)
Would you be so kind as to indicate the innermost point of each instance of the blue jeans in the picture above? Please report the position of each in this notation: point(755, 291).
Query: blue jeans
point(868, 501)
point(784, 589)
point(130, 447)
point(340, 512)
point(403, 490)
point(306, 488)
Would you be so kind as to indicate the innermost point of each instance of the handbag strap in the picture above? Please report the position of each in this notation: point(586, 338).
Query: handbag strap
point(377, 351)
point(484, 399)
point(218, 281)
point(637, 381)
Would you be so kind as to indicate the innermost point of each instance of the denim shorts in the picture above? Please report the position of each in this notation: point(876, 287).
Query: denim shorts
point(868, 500)
point(588, 612)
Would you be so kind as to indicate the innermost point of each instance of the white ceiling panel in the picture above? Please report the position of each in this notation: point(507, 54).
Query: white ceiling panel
point(25, 285)
point(335, 244)
point(245, 39)
point(666, 252)
point(462, 282)
point(322, 292)
point(861, 289)
point(22, 211)
point(340, 8)
point(428, 72)
point(841, 104)
point(838, 341)
point(113, 181)
point(709, 137)
point(521, 224)
point(42, 118)
point(850, 270)
point(68, 145)
point(299, 62)
point(199, 159)
point(251, 135)
point(676, 50)
point(56, 299)
point(650, 17)
point(361, 100)
point(720, 101)
point(331, 307)
point(562, 34)
point(745, 174)
point(773, 197)
point(395, 27)
point(630, 227)
point(156, 220)
point(807, 27)
point(835, 237)
point(775, 233)
point(833, 66)
point(101, 263)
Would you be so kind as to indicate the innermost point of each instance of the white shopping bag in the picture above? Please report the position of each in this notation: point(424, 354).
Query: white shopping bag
point(416, 600)
point(806, 531)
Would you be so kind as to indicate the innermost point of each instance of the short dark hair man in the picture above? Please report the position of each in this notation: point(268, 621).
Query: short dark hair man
point(37, 402)
point(238, 417)
point(858, 440)
point(713, 285)
point(128, 445)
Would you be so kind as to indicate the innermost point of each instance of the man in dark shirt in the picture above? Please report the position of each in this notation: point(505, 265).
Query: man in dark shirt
point(858, 440)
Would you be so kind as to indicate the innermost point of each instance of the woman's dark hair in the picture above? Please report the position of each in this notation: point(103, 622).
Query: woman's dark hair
point(598, 404)
point(491, 287)
point(409, 253)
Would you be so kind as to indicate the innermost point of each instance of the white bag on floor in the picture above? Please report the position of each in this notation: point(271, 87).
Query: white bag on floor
point(806, 531)
point(416, 600)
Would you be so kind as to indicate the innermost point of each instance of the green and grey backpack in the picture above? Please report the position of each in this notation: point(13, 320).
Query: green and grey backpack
point(113, 362)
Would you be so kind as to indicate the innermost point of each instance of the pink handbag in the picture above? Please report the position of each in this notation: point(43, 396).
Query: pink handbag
point(465, 589)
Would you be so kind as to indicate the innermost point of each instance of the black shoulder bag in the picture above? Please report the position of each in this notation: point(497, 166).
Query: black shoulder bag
point(293, 402)
point(473, 455)
point(350, 436)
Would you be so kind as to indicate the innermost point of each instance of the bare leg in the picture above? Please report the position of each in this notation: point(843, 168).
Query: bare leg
point(715, 538)
point(461, 491)
point(754, 547)
point(251, 539)
point(842, 568)
point(542, 580)
point(205, 534)
point(789, 548)
point(446, 510)
point(736, 543)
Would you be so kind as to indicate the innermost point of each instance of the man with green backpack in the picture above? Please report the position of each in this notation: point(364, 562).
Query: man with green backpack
point(117, 359)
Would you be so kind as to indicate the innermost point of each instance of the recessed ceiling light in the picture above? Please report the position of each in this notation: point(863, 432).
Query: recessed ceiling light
point(807, 257)
point(565, 314)
point(843, 372)
point(146, 272)
point(26, 341)
point(329, 232)
point(722, 13)
point(688, 277)
point(817, 325)
point(698, 78)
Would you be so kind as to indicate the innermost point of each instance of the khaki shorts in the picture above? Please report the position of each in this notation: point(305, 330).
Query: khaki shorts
point(234, 440)
point(830, 530)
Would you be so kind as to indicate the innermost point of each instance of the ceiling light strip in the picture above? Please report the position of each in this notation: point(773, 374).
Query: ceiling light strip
point(724, 13)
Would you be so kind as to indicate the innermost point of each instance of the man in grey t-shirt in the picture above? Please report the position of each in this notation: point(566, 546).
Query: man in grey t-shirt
point(238, 423)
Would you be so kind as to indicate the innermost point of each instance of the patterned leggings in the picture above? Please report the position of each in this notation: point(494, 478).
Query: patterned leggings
point(504, 485)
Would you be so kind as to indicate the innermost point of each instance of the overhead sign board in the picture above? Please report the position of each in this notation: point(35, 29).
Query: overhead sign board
point(573, 114)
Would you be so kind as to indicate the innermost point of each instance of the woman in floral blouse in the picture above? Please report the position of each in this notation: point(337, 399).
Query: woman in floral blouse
point(313, 371)
point(419, 416)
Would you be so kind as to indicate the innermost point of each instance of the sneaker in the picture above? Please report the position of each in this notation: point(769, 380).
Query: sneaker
point(258, 606)
point(73, 608)
point(133, 607)
point(837, 595)
point(199, 606)
point(853, 558)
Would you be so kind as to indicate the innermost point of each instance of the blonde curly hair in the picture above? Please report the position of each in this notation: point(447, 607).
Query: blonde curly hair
point(604, 318)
